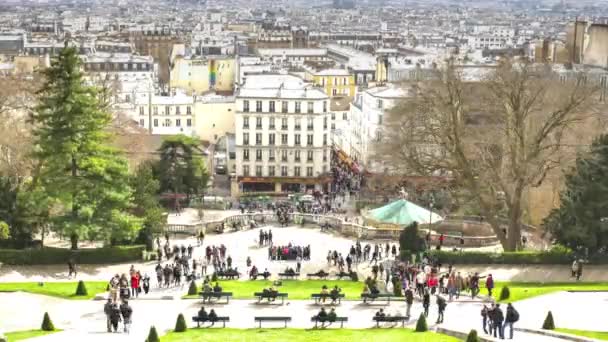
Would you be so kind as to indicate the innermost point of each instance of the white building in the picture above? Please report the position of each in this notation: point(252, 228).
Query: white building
point(165, 115)
point(282, 136)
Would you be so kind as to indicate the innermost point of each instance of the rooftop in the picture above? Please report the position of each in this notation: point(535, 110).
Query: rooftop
point(279, 86)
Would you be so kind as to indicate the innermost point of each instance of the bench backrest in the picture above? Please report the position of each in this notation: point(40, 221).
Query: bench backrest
point(337, 319)
point(272, 318)
point(262, 294)
point(314, 295)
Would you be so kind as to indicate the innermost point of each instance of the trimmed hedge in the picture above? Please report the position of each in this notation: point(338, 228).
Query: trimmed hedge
point(47, 324)
point(50, 255)
point(524, 257)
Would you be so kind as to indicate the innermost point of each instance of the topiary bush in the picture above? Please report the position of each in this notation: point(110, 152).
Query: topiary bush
point(354, 276)
point(81, 289)
point(472, 336)
point(421, 325)
point(214, 277)
point(152, 335)
point(180, 324)
point(505, 293)
point(549, 324)
point(47, 324)
point(192, 290)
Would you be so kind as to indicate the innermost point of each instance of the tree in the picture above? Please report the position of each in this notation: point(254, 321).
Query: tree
point(153, 335)
point(421, 325)
point(81, 289)
point(497, 138)
point(180, 324)
point(47, 324)
point(4, 232)
point(581, 221)
point(472, 336)
point(79, 169)
point(549, 324)
point(410, 241)
point(145, 202)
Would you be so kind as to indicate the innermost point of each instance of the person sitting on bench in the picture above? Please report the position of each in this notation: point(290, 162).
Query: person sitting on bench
point(202, 315)
point(324, 292)
point(266, 274)
point(206, 291)
point(212, 317)
point(322, 316)
point(217, 288)
point(335, 293)
point(289, 271)
point(253, 274)
point(380, 314)
point(374, 290)
point(271, 293)
point(331, 317)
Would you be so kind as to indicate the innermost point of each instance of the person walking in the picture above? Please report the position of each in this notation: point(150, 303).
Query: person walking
point(484, 318)
point(441, 305)
point(107, 309)
point(115, 317)
point(126, 313)
point(426, 302)
point(71, 268)
point(490, 285)
point(511, 317)
point(135, 284)
point(498, 319)
point(409, 300)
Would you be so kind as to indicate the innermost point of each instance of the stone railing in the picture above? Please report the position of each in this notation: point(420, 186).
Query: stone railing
point(482, 219)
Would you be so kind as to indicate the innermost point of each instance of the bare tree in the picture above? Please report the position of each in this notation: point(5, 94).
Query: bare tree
point(498, 137)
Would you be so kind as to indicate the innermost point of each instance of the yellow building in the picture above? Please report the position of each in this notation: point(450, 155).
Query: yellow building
point(214, 116)
point(335, 82)
point(201, 74)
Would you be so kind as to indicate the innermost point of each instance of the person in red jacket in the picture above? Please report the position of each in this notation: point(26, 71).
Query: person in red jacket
point(432, 283)
point(489, 284)
point(135, 284)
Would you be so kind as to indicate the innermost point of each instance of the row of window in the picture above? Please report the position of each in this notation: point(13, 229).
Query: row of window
point(109, 66)
point(284, 139)
point(283, 155)
point(167, 110)
point(167, 123)
point(284, 107)
point(297, 171)
point(336, 81)
point(284, 123)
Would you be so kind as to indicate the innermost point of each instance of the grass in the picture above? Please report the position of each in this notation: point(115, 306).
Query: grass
point(297, 289)
point(25, 334)
point(598, 335)
point(520, 291)
point(309, 335)
point(65, 290)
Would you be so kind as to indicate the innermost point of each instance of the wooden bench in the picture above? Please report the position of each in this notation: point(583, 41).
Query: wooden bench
point(372, 297)
point(262, 295)
point(216, 295)
point(199, 320)
point(390, 319)
point(261, 319)
point(228, 275)
point(343, 275)
point(318, 296)
point(289, 275)
point(320, 275)
point(326, 320)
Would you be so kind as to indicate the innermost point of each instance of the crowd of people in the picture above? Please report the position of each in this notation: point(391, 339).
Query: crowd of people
point(289, 252)
point(265, 237)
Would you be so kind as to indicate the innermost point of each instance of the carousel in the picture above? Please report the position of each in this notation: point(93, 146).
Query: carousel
point(399, 214)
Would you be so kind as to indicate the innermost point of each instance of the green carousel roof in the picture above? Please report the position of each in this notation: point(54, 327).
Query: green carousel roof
point(402, 212)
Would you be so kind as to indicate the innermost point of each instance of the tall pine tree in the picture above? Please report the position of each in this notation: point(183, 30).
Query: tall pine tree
point(581, 221)
point(79, 168)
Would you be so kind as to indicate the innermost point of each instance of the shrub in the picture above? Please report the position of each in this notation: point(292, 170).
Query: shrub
point(50, 255)
point(81, 289)
point(505, 293)
point(152, 335)
point(549, 324)
point(180, 324)
point(421, 325)
point(192, 290)
point(47, 324)
point(214, 277)
point(472, 336)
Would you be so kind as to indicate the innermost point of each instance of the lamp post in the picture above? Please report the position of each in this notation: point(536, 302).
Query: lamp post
point(431, 205)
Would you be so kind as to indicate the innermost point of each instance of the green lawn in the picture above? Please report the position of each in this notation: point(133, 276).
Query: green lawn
point(64, 290)
point(25, 334)
point(301, 335)
point(599, 335)
point(297, 289)
point(521, 291)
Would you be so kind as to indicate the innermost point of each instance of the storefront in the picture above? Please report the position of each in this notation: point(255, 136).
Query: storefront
point(283, 184)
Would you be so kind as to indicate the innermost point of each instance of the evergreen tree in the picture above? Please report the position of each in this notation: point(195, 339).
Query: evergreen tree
point(81, 289)
point(152, 335)
point(145, 203)
point(421, 325)
point(505, 293)
point(47, 324)
point(192, 290)
point(549, 324)
point(79, 168)
point(180, 324)
point(472, 336)
point(581, 221)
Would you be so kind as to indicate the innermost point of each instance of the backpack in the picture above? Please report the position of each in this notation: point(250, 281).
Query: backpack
point(515, 316)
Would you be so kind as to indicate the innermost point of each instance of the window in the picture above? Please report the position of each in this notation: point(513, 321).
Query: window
point(325, 139)
point(141, 110)
point(324, 155)
point(246, 154)
point(189, 122)
point(344, 116)
point(284, 106)
point(258, 155)
point(296, 171)
point(245, 170)
point(270, 155)
point(178, 123)
point(298, 125)
point(297, 140)
point(188, 110)
point(283, 139)
point(379, 104)
point(177, 110)
point(245, 122)
point(246, 106)
point(309, 171)
point(311, 107)
point(309, 140)
point(333, 116)
point(167, 123)
point(258, 138)
point(324, 106)
point(325, 122)
point(380, 119)
point(297, 156)
point(271, 123)
point(310, 123)
point(271, 139)
point(284, 171)
point(142, 122)
point(309, 155)
point(258, 170)
point(298, 106)
point(258, 106)
point(284, 155)
point(284, 124)
point(333, 125)
point(271, 171)
point(324, 168)
point(155, 122)
point(155, 110)
point(258, 123)
point(167, 110)
point(245, 138)
point(271, 106)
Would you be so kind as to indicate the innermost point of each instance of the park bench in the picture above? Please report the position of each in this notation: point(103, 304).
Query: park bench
point(264, 295)
point(261, 319)
point(343, 275)
point(200, 320)
point(320, 275)
point(326, 320)
point(215, 295)
point(390, 319)
point(228, 275)
point(289, 275)
point(319, 296)
point(372, 297)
